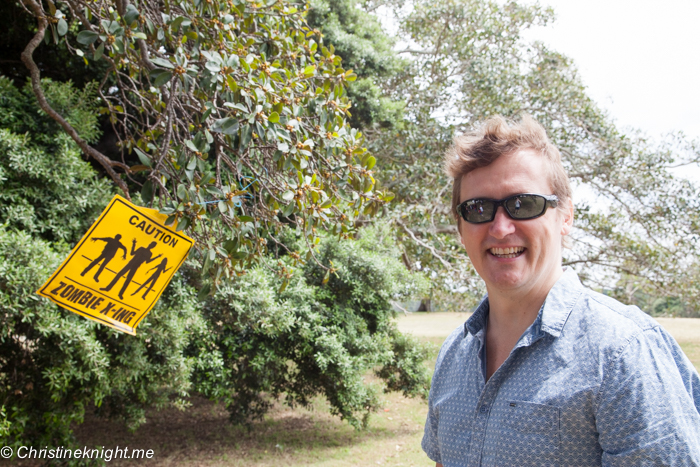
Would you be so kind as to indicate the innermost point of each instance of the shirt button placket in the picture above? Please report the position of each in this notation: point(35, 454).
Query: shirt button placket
point(481, 422)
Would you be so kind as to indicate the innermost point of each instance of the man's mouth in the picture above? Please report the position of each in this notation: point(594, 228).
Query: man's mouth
point(512, 252)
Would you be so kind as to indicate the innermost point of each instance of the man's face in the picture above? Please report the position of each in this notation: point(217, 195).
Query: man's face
point(514, 257)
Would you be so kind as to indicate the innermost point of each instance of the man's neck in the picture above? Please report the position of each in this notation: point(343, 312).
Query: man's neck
point(513, 311)
point(510, 314)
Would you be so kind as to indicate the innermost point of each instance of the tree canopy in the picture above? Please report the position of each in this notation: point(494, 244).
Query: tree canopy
point(636, 228)
point(236, 112)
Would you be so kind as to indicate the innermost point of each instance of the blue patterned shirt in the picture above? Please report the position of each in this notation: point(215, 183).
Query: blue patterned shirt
point(590, 382)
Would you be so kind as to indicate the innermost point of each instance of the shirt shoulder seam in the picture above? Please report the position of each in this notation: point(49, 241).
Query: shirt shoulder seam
point(614, 359)
point(642, 328)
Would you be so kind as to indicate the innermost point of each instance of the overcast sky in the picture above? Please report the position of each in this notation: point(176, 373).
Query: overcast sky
point(640, 59)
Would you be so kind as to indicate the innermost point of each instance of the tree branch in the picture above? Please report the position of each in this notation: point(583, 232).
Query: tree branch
point(415, 51)
point(28, 60)
point(425, 245)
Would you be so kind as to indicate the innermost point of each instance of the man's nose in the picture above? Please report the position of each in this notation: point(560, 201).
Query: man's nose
point(501, 225)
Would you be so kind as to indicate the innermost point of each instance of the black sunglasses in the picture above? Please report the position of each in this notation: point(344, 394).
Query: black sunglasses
point(520, 207)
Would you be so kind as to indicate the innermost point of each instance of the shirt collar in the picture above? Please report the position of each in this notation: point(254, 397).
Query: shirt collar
point(554, 312)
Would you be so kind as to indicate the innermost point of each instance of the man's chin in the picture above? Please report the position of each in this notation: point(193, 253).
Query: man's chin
point(505, 281)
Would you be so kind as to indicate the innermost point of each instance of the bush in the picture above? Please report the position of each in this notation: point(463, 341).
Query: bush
point(53, 363)
point(312, 338)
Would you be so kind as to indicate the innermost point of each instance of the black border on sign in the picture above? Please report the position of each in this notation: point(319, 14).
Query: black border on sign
point(146, 309)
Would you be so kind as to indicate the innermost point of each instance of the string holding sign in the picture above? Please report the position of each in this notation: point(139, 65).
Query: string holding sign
point(112, 280)
point(238, 203)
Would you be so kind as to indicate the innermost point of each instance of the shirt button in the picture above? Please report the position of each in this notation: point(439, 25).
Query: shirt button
point(484, 408)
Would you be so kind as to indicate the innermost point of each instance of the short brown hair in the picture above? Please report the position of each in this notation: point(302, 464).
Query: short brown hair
point(497, 137)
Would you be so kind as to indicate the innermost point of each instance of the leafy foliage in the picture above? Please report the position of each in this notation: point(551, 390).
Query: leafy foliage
point(53, 197)
point(53, 363)
point(238, 114)
point(312, 338)
point(359, 39)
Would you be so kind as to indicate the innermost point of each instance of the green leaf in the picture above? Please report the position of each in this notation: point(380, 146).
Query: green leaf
point(147, 192)
point(246, 135)
point(87, 37)
point(231, 245)
point(235, 105)
point(161, 78)
point(204, 292)
point(182, 192)
point(118, 45)
point(192, 164)
point(145, 160)
point(212, 66)
point(231, 83)
point(99, 51)
point(131, 15)
point(371, 161)
point(191, 146)
point(62, 27)
point(163, 63)
point(212, 190)
point(183, 224)
point(274, 117)
point(309, 70)
point(227, 126)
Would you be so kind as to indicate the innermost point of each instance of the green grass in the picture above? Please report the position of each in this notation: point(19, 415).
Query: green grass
point(692, 351)
point(203, 436)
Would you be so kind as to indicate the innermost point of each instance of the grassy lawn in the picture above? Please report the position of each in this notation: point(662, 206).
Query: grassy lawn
point(202, 436)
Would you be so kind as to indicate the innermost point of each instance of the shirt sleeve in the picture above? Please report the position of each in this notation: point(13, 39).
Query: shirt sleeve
point(430, 434)
point(648, 410)
point(430, 443)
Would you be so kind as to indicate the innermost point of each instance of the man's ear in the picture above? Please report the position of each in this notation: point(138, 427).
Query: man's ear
point(567, 218)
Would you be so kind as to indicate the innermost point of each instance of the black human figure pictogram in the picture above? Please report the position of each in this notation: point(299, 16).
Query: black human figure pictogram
point(151, 281)
point(110, 249)
point(140, 256)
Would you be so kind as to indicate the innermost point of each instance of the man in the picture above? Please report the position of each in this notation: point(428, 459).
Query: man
point(546, 371)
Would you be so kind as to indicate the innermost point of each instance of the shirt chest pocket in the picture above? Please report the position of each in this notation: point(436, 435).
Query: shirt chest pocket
point(530, 428)
point(530, 417)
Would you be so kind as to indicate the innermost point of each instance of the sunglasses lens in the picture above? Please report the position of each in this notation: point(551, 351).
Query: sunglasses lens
point(478, 211)
point(525, 206)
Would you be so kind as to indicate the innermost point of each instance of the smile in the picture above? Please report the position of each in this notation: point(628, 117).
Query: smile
point(512, 252)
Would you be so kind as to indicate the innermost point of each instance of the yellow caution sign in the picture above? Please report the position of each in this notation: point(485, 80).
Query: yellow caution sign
point(119, 269)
